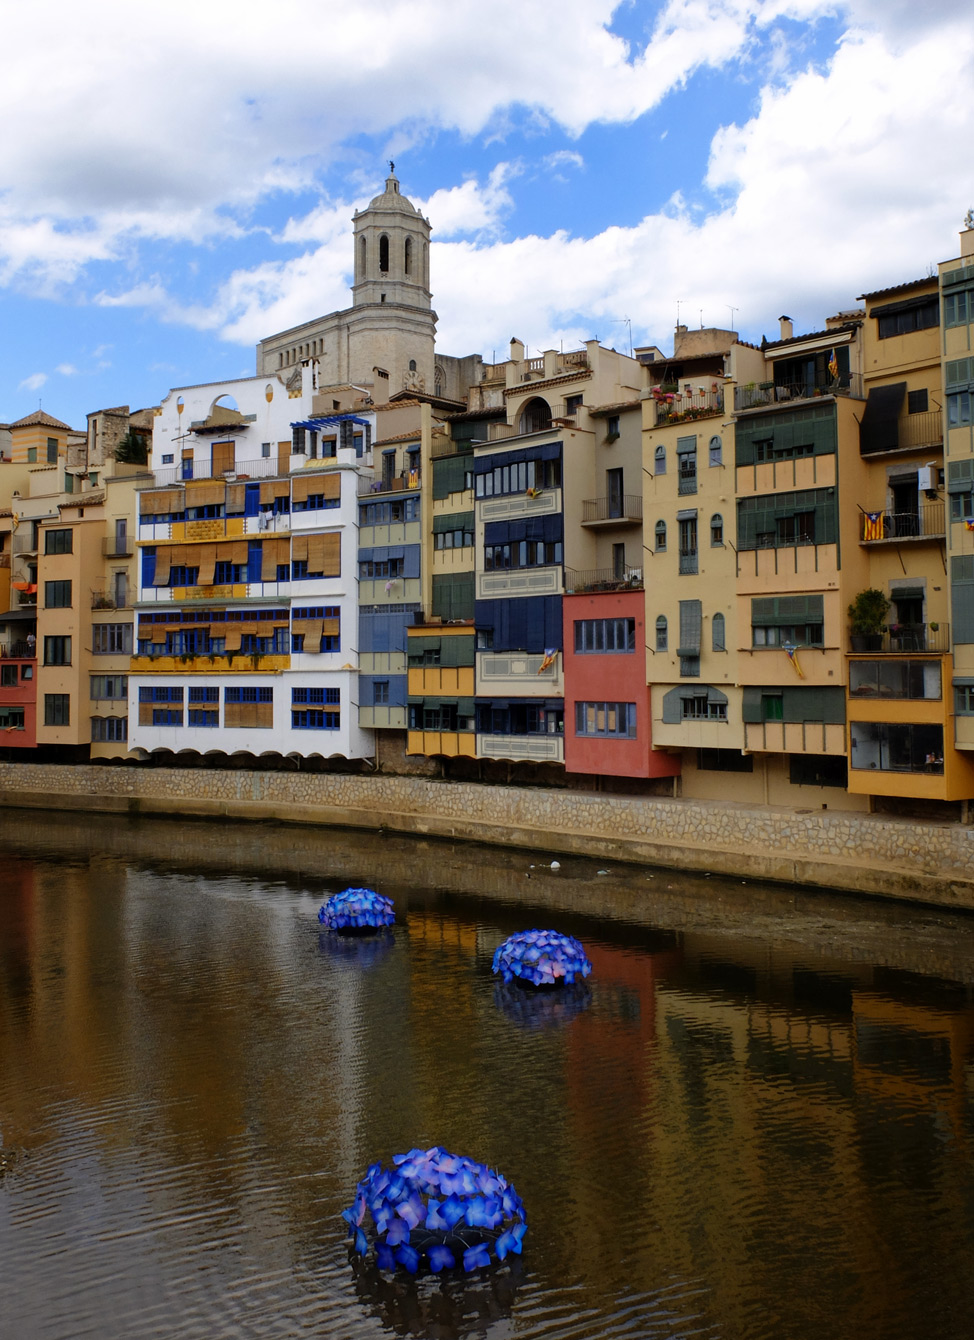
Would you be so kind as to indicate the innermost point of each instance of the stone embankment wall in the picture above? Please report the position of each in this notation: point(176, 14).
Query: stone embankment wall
point(891, 857)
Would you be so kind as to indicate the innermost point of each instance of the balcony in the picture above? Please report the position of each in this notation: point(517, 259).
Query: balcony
point(108, 600)
point(18, 651)
point(922, 430)
point(896, 639)
point(603, 579)
point(527, 748)
point(265, 467)
point(118, 546)
point(689, 561)
point(689, 404)
point(616, 511)
point(400, 483)
point(756, 395)
point(924, 522)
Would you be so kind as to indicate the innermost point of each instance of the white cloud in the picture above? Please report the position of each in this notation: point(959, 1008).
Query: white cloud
point(472, 208)
point(34, 382)
point(564, 158)
point(67, 370)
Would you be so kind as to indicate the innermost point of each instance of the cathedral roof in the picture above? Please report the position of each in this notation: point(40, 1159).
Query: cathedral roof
point(391, 197)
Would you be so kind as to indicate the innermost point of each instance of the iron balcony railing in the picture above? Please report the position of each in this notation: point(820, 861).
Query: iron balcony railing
point(688, 561)
point(264, 467)
point(755, 394)
point(108, 600)
point(627, 507)
point(400, 483)
point(691, 402)
point(925, 521)
point(921, 430)
point(118, 546)
point(603, 579)
point(900, 639)
point(18, 651)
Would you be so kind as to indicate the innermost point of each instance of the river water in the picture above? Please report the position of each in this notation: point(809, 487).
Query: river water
point(758, 1122)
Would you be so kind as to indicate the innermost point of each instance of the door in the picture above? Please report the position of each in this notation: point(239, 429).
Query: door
point(613, 486)
point(223, 457)
point(906, 506)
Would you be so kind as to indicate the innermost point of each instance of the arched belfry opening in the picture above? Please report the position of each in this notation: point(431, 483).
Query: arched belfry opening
point(535, 416)
point(384, 254)
point(407, 256)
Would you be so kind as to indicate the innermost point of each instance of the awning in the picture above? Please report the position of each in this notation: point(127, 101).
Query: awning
point(879, 428)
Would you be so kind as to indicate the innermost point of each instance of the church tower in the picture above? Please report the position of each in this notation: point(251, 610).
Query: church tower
point(391, 251)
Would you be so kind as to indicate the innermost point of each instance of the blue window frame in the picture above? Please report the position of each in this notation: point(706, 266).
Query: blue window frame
point(606, 719)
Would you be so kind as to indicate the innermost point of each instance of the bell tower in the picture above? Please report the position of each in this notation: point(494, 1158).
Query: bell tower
point(391, 240)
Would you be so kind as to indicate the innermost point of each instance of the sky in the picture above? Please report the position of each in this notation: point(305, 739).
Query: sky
point(177, 180)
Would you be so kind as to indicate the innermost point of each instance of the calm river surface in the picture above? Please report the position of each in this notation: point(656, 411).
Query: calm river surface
point(758, 1124)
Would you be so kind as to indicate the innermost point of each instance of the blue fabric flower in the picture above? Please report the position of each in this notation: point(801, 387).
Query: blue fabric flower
point(476, 1256)
point(541, 958)
point(357, 909)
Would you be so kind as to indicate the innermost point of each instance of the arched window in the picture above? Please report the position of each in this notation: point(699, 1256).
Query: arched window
point(407, 256)
point(535, 416)
point(717, 530)
point(439, 380)
point(661, 633)
point(362, 256)
point(412, 365)
point(384, 254)
point(660, 461)
point(660, 536)
point(718, 639)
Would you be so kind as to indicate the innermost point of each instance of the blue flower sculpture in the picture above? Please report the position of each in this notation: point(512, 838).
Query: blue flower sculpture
point(436, 1208)
point(357, 910)
point(541, 958)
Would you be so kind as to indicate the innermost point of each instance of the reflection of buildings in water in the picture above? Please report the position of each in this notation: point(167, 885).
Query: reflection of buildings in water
point(451, 1305)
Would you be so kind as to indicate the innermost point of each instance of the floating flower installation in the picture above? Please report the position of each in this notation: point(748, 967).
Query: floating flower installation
point(541, 958)
point(357, 910)
point(436, 1208)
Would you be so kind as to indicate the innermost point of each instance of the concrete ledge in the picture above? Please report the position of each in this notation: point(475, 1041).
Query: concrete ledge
point(880, 856)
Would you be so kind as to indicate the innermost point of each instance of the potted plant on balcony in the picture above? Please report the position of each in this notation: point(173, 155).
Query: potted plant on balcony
point(867, 614)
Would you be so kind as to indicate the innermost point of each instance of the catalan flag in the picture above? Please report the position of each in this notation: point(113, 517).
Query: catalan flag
point(791, 651)
point(548, 660)
point(968, 522)
point(833, 366)
point(872, 525)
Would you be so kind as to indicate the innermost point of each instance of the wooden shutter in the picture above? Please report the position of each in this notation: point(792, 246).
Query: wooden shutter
point(311, 628)
point(325, 554)
point(163, 564)
point(206, 557)
point(236, 497)
point(331, 627)
point(273, 553)
point(158, 504)
point(299, 548)
point(273, 488)
point(223, 455)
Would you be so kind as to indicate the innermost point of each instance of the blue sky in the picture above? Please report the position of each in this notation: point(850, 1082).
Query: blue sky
point(178, 180)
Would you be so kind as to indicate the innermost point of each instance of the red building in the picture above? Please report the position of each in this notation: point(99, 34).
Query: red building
point(608, 722)
point(18, 696)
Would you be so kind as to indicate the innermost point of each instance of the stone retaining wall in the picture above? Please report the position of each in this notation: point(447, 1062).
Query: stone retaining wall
point(887, 856)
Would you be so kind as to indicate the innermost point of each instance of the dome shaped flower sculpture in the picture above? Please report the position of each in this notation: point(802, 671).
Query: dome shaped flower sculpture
point(541, 958)
point(357, 910)
point(435, 1207)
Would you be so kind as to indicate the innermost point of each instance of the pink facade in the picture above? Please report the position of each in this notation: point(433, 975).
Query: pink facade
point(18, 702)
point(608, 722)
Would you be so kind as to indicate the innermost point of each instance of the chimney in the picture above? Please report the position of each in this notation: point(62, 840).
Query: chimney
point(787, 327)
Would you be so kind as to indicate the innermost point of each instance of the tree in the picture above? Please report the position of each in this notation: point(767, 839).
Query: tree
point(133, 449)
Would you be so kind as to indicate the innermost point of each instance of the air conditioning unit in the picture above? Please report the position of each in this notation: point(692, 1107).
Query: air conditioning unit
point(927, 478)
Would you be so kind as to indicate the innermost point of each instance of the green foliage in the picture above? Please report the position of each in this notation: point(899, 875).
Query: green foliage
point(133, 449)
point(868, 612)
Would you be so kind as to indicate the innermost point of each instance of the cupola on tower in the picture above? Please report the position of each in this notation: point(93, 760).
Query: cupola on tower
point(391, 251)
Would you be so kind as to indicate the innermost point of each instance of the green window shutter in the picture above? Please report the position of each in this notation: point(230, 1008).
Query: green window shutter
point(962, 598)
point(691, 620)
point(452, 521)
point(960, 475)
point(450, 474)
point(818, 704)
point(453, 595)
point(751, 705)
point(959, 373)
point(672, 707)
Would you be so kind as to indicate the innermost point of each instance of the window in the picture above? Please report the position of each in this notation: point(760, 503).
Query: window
point(703, 707)
point(517, 478)
point(111, 639)
point(617, 719)
point(110, 688)
point(959, 409)
point(959, 308)
point(225, 574)
point(57, 709)
point(265, 450)
point(574, 402)
point(661, 633)
point(183, 576)
point(611, 427)
point(894, 679)
point(660, 536)
point(766, 449)
point(57, 595)
point(249, 693)
point(781, 621)
point(920, 315)
point(383, 254)
point(204, 694)
point(370, 569)
point(715, 451)
point(660, 461)
point(717, 531)
point(11, 718)
point(167, 459)
point(916, 402)
point(724, 760)
point(818, 770)
point(688, 544)
point(57, 651)
point(796, 529)
point(523, 554)
point(105, 730)
point(772, 707)
point(897, 747)
point(58, 541)
point(453, 539)
point(964, 699)
point(686, 459)
point(605, 635)
point(31, 455)
point(308, 709)
point(52, 451)
point(718, 638)
point(380, 692)
point(206, 717)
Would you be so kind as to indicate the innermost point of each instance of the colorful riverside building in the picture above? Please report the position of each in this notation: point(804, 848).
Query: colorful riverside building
point(65, 559)
point(248, 554)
